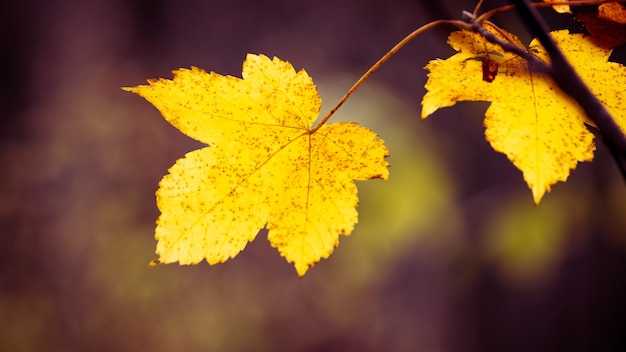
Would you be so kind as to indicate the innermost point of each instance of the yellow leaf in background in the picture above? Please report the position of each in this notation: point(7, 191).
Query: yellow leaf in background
point(540, 129)
point(612, 11)
point(264, 166)
point(559, 8)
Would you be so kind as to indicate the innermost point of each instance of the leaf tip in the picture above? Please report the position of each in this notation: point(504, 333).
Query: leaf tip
point(538, 193)
point(302, 268)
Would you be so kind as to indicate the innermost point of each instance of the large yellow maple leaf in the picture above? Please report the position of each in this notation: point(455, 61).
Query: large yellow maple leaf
point(540, 129)
point(264, 165)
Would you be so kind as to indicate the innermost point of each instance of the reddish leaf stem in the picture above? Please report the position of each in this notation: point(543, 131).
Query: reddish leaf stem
point(488, 14)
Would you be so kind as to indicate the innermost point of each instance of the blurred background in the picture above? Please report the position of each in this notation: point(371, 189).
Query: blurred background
point(450, 254)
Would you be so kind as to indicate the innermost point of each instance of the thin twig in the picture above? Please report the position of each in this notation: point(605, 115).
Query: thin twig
point(568, 80)
point(382, 60)
point(536, 64)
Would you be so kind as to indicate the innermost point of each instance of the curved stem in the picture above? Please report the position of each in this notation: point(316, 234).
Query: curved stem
point(382, 60)
point(477, 8)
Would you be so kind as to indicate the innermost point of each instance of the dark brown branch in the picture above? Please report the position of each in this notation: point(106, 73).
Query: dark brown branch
point(568, 80)
point(563, 75)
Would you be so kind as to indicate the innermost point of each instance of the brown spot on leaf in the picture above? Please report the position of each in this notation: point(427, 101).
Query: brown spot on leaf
point(490, 68)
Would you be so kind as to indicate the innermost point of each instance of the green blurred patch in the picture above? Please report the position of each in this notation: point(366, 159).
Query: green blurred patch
point(527, 243)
